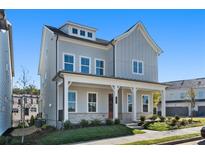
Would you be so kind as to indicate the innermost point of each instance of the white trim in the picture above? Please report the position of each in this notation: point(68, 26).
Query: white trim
point(69, 54)
point(84, 65)
point(128, 103)
point(138, 61)
point(143, 102)
point(90, 92)
point(76, 100)
point(103, 64)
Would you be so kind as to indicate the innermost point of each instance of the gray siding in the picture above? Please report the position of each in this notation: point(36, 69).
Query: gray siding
point(135, 46)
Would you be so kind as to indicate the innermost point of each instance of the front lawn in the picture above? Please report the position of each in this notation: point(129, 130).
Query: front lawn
point(165, 139)
point(74, 135)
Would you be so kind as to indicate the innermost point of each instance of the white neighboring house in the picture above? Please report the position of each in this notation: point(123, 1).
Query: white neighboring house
point(31, 108)
point(6, 72)
point(176, 97)
point(84, 77)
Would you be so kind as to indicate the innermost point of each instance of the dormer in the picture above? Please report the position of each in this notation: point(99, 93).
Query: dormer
point(78, 30)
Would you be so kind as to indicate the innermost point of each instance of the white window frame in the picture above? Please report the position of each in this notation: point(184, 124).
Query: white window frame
point(103, 67)
point(128, 103)
point(69, 54)
point(91, 34)
point(138, 61)
point(84, 65)
point(76, 29)
point(142, 102)
point(89, 102)
point(76, 101)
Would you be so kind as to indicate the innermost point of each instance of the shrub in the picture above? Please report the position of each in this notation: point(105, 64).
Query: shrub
point(44, 126)
point(177, 118)
point(173, 122)
point(22, 124)
point(95, 122)
point(184, 122)
point(109, 121)
point(154, 117)
point(84, 123)
point(32, 121)
point(190, 121)
point(2, 140)
point(146, 124)
point(162, 119)
point(142, 119)
point(158, 126)
point(117, 121)
point(67, 124)
point(169, 119)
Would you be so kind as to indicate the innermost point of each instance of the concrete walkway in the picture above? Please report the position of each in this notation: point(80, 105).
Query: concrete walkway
point(147, 136)
point(24, 131)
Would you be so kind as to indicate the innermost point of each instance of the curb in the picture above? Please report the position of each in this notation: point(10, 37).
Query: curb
point(181, 141)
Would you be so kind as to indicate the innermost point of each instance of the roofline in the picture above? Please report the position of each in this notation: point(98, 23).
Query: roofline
point(79, 25)
point(184, 80)
point(109, 77)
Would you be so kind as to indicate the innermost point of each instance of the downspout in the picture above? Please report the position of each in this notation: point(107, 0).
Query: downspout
point(113, 58)
point(56, 81)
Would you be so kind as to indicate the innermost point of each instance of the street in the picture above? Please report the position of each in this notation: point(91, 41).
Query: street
point(198, 142)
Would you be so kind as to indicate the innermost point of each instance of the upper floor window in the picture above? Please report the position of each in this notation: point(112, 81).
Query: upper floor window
point(145, 101)
point(82, 32)
point(137, 67)
point(72, 101)
point(90, 35)
point(99, 67)
point(85, 65)
point(92, 102)
point(200, 94)
point(129, 103)
point(69, 63)
point(182, 95)
point(74, 31)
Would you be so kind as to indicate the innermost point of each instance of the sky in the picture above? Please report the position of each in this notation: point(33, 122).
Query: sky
point(179, 33)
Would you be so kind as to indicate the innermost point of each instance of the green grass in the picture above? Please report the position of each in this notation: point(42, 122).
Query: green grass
point(159, 126)
point(137, 131)
point(75, 135)
point(165, 139)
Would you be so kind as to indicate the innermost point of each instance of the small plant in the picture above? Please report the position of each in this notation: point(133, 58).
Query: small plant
point(142, 119)
point(184, 122)
point(117, 121)
point(109, 121)
point(158, 126)
point(177, 118)
point(32, 121)
point(190, 121)
point(173, 122)
point(44, 126)
point(67, 124)
point(95, 122)
point(169, 119)
point(22, 124)
point(84, 123)
point(154, 117)
point(162, 119)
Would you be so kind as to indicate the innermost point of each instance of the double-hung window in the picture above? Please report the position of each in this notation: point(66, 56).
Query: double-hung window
point(137, 67)
point(69, 63)
point(129, 103)
point(90, 35)
point(85, 65)
point(72, 100)
point(99, 67)
point(92, 102)
point(74, 31)
point(145, 99)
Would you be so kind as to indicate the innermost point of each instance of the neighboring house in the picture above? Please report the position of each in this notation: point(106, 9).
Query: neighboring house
point(31, 108)
point(177, 98)
point(6, 72)
point(84, 77)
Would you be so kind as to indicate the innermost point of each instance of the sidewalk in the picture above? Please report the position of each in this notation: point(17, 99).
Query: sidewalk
point(139, 137)
point(24, 131)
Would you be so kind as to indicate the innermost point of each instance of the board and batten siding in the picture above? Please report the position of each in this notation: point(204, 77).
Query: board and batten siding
point(135, 46)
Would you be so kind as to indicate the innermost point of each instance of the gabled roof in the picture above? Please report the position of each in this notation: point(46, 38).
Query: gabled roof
point(144, 32)
point(194, 83)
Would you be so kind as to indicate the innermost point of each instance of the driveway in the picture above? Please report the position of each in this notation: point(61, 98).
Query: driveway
point(198, 142)
point(147, 136)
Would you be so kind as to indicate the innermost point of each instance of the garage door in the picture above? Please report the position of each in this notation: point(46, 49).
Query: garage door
point(201, 111)
point(179, 111)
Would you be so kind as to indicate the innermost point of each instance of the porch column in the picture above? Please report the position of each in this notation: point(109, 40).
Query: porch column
point(163, 103)
point(115, 89)
point(66, 87)
point(134, 109)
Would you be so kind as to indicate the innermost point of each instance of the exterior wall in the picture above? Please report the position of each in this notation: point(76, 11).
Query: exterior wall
point(5, 82)
point(135, 46)
point(82, 50)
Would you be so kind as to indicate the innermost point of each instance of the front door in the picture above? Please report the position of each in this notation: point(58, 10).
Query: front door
point(110, 106)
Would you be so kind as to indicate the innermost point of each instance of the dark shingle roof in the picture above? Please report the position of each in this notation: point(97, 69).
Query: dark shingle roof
point(194, 83)
point(59, 32)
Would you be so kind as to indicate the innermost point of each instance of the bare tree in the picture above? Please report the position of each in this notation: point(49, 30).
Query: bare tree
point(24, 78)
point(191, 98)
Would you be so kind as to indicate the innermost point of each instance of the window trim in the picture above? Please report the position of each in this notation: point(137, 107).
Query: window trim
point(69, 54)
point(90, 92)
point(103, 67)
point(83, 65)
point(76, 101)
point(128, 103)
point(73, 29)
point(81, 30)
point(88, 35)
point(148, 110)
point(138, 61)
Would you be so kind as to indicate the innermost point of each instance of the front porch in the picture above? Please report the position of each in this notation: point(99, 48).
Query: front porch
point(92, 97)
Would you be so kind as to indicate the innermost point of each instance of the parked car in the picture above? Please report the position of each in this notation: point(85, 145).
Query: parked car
point(203, 132)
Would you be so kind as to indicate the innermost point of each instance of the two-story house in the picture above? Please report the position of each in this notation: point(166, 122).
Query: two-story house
point(84, 77)
point(6, 72)
point(178, 98)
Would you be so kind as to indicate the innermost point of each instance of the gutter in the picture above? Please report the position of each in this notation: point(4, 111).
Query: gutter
point(56, 81)
point(113, 58)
